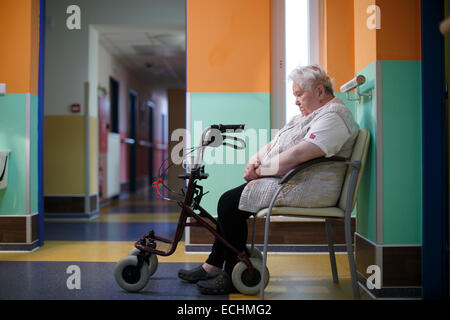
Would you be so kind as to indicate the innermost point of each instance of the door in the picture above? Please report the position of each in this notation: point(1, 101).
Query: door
point(132, 168)
point(114, 102)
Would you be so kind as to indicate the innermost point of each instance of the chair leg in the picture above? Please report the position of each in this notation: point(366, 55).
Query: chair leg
point(331, 251)
point(253, 232)
point(351, 259)
point(264, 262)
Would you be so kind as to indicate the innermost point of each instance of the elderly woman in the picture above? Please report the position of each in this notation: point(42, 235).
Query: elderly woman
point(325, 128)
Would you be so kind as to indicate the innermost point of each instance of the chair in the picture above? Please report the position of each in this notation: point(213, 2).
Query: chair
point(342, 211)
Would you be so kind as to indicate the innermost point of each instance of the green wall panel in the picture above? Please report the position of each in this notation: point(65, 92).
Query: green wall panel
point(12, 137)
point(402, 152)
point(251, 109)
point(366, 118)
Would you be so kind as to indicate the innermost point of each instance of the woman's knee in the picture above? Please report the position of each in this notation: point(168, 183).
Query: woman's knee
point(225, 204)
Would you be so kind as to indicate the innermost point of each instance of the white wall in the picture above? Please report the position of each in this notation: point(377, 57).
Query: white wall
point(109, 66)
point(68, 55)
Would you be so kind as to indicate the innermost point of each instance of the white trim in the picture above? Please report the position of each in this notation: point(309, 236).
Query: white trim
point(277, 64)
point(379, 260)
point(188, 143)
point(315, 32)
point(28, 228)
point(87, 202)
point(18, 215)
point(27, 153)
point(386, 245)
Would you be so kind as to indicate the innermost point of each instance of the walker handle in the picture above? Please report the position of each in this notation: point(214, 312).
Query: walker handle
point(223, 128)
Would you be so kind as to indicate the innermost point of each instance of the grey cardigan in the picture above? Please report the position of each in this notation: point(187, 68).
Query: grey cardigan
point(317, 186)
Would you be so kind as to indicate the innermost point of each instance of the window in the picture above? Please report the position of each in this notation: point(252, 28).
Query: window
point(296, 39)
point(297, 46)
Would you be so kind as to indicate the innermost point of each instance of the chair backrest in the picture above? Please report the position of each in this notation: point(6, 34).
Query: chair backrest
point(360, 150)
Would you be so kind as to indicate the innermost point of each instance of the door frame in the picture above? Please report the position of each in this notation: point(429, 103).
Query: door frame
point(434, 154)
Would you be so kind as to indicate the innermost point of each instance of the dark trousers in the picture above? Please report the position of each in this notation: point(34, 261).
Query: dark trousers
point(231, 225)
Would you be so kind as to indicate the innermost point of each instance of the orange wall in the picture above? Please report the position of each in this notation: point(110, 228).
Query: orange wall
point(365, 39)
point(399, 36)
point(339, 55)
point(19, 49)
point(228, 46)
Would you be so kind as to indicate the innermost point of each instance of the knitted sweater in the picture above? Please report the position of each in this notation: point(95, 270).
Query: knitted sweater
point(316, 186)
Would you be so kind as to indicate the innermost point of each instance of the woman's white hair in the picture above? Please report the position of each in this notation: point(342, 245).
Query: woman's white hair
point(309, 77)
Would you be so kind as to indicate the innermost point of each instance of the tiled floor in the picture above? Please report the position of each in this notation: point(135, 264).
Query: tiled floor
point(96, 245)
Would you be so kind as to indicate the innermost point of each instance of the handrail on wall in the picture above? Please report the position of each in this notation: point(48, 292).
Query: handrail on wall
point(355, 83)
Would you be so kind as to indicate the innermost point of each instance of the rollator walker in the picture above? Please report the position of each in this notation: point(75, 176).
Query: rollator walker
point(133, 272)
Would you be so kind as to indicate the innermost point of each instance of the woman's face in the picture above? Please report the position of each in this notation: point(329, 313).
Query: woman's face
point(307, 101)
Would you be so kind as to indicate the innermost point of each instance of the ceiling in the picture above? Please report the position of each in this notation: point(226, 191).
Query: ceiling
point(154, 56)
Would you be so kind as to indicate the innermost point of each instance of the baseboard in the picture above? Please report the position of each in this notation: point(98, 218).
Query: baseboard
point(400, 266)
point(284, 249)
point(70, 206)
point(19, 229)
point(390, 292)
point(303, 234)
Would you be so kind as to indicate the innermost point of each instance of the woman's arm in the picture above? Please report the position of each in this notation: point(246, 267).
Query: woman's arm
point(254, 162)
point(289, 159)
point(257, 157)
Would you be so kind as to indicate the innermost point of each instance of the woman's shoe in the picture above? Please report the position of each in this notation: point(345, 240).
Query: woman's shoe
point(220, 284)
point(195, 275)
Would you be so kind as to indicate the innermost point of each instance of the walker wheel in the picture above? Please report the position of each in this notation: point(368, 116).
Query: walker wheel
point(242, 280)
point(255, 253)
point(152, 261)
point(134, 252)
point(152, 264)
point(129, 276)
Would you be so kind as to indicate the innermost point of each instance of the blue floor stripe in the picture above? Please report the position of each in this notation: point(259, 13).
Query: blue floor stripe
point(48, 280)
point(106, 231)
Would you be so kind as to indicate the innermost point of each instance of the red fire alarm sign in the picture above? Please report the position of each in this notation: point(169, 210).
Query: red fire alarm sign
point(75, 108)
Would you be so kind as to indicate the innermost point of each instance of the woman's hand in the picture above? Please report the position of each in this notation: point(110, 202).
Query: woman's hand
point(250, 171)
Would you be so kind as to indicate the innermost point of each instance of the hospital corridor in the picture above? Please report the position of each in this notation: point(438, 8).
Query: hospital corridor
point(261, 151)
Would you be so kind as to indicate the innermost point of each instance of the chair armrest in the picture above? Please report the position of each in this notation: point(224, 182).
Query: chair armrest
point(308, 164)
